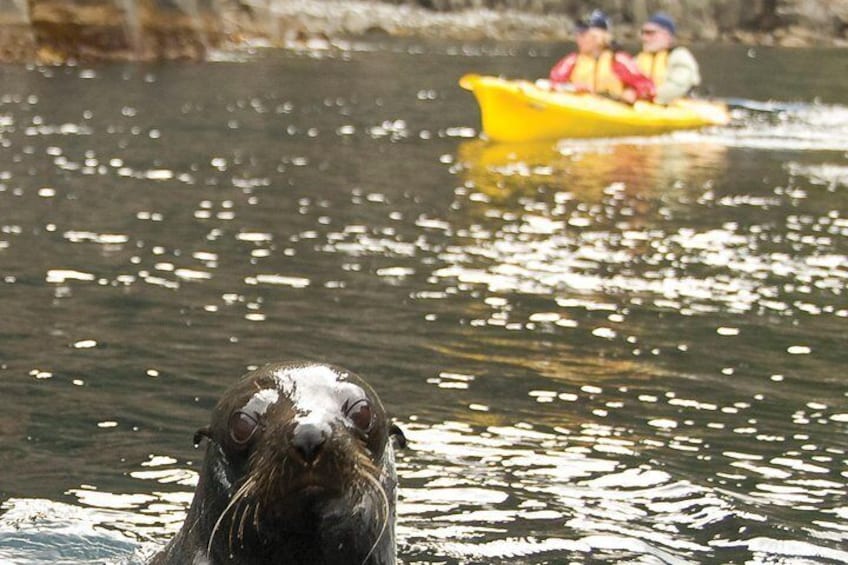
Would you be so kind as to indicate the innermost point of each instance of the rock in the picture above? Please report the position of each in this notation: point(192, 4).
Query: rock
point(59, 30)
point(796, 36)
point(144, 30)
point(17, 42)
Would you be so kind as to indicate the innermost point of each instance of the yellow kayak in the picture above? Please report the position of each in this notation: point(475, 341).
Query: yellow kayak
point(520, 111)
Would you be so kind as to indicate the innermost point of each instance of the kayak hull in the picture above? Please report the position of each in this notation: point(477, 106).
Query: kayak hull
point(519, 111)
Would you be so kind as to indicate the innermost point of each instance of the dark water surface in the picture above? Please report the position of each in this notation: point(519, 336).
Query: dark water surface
point(628, 351)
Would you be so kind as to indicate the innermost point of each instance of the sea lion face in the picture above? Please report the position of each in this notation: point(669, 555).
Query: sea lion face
point(299, 452)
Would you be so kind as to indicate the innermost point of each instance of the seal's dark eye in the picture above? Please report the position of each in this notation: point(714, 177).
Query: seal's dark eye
point(361, 415)
point(242, 427)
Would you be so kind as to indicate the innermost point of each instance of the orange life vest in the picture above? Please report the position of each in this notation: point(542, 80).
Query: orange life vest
point(653, 65)
point(596, 75)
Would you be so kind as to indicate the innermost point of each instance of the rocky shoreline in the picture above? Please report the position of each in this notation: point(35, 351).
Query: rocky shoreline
point(54, 31)
point(332, 18)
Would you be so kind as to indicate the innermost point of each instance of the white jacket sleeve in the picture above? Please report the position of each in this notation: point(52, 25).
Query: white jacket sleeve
point(682, 76)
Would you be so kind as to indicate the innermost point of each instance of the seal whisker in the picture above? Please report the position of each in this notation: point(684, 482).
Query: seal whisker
point(244, 514)
point(256, 514)
point(240, 493)
point(242, 508)
point(378, 488)
point(232, 525)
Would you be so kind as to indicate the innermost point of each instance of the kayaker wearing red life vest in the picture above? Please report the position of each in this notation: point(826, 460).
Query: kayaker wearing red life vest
point(673, 68)
point(597, 67)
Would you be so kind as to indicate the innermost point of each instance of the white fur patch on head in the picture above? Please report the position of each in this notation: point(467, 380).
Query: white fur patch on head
point(310, 388)
point(259, 402)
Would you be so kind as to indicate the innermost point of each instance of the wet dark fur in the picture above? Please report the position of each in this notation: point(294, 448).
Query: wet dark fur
point(259, 505)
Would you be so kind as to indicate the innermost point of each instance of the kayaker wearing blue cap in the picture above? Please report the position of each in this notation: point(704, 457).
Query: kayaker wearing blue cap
point(673, 68)
point(597, 67)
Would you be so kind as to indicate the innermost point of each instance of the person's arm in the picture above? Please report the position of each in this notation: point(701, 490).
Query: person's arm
point(681, 77)
point(561, 72)
point(626, 70)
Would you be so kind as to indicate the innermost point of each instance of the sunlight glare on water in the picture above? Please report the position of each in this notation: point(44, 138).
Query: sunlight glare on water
point(600, 351)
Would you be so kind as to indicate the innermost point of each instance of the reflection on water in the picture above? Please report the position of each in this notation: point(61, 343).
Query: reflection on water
point(591, 171)
point(614, 205)
point(600, 351)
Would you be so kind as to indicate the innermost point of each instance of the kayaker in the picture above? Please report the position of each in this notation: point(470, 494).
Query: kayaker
point(672, 67)
point(599, 67)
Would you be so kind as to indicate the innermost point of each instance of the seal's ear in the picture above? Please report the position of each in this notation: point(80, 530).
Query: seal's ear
point(200, 434)
point(397, 435)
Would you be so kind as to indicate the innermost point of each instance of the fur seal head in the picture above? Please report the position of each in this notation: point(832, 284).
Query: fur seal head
point(299, 468)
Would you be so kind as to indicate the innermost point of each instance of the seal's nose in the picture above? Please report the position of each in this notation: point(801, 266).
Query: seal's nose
point(308, 440)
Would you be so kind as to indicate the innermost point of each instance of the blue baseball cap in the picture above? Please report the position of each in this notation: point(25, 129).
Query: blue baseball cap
point(597, 19)
point(664, 21)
